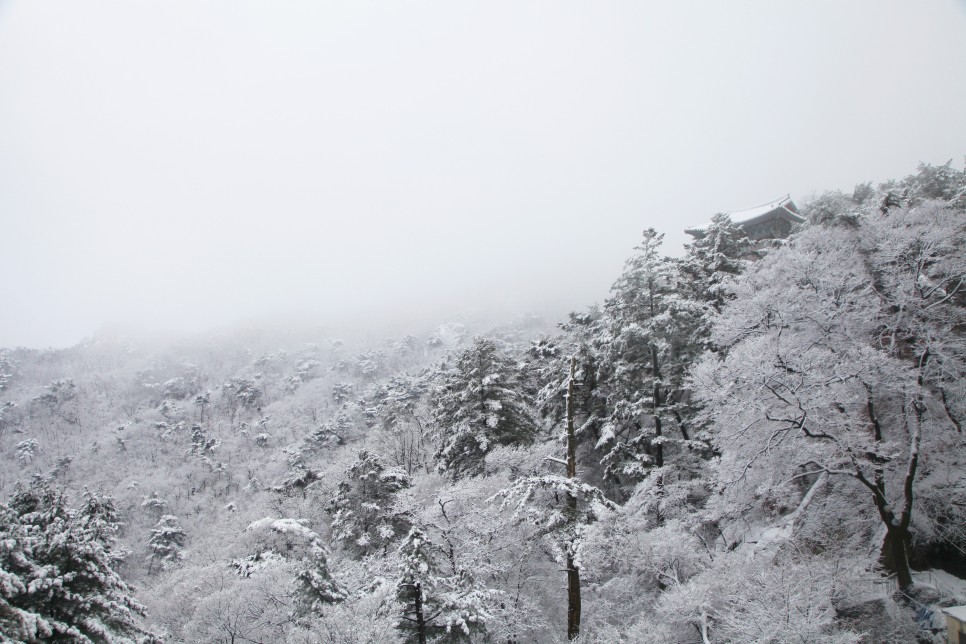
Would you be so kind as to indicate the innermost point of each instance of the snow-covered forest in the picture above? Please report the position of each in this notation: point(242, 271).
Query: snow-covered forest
point(753, 442)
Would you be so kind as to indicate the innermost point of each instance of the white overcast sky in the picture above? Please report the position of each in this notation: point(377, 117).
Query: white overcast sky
point(186, 164)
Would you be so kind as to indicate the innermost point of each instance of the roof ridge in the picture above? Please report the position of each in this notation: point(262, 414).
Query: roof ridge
point(776, 202)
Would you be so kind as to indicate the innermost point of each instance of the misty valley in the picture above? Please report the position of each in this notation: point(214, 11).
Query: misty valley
point(760, 440)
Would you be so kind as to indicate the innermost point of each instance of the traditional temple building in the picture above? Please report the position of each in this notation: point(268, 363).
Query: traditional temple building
point(773, 220)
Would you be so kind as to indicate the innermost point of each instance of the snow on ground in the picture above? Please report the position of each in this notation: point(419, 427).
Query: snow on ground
point(942, 581)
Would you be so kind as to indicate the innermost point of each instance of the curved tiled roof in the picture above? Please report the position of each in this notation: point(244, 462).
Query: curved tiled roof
point(783, 207)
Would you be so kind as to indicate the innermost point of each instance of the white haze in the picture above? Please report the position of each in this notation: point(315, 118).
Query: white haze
point(178, 165)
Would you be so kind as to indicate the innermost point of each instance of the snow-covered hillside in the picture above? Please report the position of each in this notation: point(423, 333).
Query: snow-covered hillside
point(768, 446)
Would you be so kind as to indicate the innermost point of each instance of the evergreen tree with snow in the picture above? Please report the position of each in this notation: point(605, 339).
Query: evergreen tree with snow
point(166, 542)
point(364, 518)
point(57, 581)
point(289, 542)
point(439, 604)
point(642, 334)
point(713, 260)
point(316, 586)
point(480, 404)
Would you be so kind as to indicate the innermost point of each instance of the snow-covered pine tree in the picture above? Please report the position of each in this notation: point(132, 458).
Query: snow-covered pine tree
point(638, 351)
point(931, 182)
point(537, 499)
point(275, 543)
point(57, 582)
point(438, 605)
point(166, 542)
point(364, 518)
point(316, 585)
point(546, 361)
point(634, 354)
point(480, 404)
point(712, 261)
point(560, 507)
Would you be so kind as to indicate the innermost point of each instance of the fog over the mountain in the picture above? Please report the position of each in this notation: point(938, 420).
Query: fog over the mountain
point(182, 164)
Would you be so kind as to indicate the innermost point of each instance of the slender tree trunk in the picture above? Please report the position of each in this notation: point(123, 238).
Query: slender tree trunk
point(704, 628)
point(681, 426)
point(949, 414)
point(420, 619)
point(898, 529)
point(573, 575)
point(659, 447)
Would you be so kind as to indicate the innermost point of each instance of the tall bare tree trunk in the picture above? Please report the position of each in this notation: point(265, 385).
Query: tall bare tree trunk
point(573, 575)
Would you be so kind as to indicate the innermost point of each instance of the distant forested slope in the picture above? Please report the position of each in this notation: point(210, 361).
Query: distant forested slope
point(767, 441)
